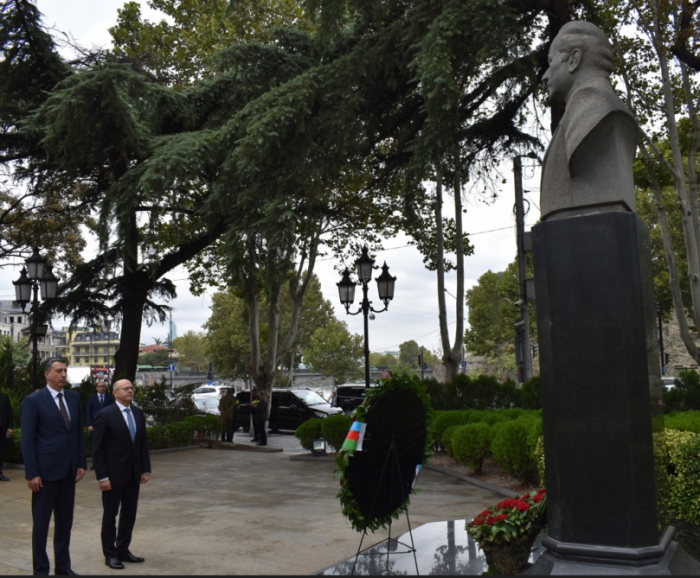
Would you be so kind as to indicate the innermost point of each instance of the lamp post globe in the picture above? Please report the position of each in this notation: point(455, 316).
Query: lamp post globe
point(346, 289)
point(385, 285)
point(364, 266)
point(23, 289)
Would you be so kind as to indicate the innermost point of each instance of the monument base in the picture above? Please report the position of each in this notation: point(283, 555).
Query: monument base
point(667, 559)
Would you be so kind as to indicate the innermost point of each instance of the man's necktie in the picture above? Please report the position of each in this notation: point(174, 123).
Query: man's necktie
point(63, 410)
point(102, 400)
point(131, 424)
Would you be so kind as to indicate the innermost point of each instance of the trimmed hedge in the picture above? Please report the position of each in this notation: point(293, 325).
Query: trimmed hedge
point(308, 431)
point(447, 439)
point(511, 450)
point(445, 419)
point(683, 421)
point(334, 429)
point(470, 444)
point(183, 433)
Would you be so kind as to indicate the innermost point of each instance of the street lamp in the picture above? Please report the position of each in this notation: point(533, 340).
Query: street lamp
point(37, 276)
point(346, 292)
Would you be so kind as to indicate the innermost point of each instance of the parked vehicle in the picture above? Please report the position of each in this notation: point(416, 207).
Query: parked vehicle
point(207, 397)
point(348, 396)
point(668, 382)
point(289, 409)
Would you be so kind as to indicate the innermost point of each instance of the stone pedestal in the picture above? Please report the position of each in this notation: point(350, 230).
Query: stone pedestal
point(595, 316)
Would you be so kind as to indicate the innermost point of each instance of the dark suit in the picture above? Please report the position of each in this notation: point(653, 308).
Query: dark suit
point(93, 406)
point(6, 420)
point(123, 461)
point(54, 452)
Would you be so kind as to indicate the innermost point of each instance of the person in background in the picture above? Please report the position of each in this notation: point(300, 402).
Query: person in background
point(6, 421)
point(227, 406)
point(259, 419)
point(98, 400)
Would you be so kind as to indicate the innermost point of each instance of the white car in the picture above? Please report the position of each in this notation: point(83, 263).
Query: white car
point(207, 397)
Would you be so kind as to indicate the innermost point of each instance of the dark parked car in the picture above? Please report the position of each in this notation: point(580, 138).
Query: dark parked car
point(290, 408)
point(348, 396)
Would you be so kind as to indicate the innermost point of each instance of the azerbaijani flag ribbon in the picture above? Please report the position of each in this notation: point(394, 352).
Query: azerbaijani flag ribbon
point(353, 441)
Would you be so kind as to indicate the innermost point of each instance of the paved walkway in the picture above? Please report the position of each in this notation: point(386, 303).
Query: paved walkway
point(229, 512)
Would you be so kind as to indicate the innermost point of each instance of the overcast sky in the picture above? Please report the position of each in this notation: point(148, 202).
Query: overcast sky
point(413, 313)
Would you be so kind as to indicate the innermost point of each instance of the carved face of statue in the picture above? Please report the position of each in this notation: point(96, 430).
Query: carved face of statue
point(559, 77)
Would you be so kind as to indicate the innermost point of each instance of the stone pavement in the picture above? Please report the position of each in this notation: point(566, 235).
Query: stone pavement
point(230, 512)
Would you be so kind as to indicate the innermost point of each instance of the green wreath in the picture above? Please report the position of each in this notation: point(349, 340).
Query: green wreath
point(350, 506)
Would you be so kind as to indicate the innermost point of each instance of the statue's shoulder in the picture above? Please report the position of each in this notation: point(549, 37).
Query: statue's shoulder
point(587, 108)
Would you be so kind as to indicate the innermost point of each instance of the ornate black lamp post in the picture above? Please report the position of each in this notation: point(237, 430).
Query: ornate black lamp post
point(346, 291)
point(37, 275)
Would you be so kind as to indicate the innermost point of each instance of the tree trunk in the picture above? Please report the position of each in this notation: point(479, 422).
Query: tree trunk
point(688, 219)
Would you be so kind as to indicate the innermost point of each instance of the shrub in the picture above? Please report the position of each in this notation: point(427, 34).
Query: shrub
point(683, 450)
point(529, 394)
point(470, 444)
point(308, 431)
point(683, 421)
point(447, 439)
point(334, 429)
point(445, 419)
point(511, 450)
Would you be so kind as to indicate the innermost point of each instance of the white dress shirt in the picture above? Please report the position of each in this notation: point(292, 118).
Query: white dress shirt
point(55, 393)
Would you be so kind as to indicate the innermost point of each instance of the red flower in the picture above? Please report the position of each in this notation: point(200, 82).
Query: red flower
point(522, 506)
point(501, 517)
point(484, 514)
point(490, 521)
point(526, 497)
point(538, 498)
point(542, 491)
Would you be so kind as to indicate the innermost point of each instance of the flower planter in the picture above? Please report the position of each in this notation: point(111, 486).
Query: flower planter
point(506, 532)
point(508, 558)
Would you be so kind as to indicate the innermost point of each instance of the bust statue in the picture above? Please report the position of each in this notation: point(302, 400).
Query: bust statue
point(588, 165)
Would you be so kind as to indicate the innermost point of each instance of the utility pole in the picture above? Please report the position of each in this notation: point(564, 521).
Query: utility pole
point(523, 352)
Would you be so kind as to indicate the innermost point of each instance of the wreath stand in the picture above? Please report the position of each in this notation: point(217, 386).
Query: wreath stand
point(391, 543)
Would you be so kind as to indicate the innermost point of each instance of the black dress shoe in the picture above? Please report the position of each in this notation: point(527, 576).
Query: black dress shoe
point(260, 444)
point(114, 563)
point(3, 478)
point(129, 557)
point(68, 572)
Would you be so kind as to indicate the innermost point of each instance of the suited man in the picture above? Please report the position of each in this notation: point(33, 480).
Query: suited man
point(98, 400)
point(6, 421)
point(122, 463)
point(53, 447)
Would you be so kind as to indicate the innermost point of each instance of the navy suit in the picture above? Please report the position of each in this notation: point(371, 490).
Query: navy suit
point(117, 457)
point(93, 406)
point(54, 452)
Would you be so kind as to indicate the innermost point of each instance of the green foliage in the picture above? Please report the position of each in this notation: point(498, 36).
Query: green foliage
point(164, 405)
point(408, 353)
point(688, 421)
point(444, 420)
point(333, 350)
point(446, 439)
point(684, 475)
point(15, 380)
point(685, 396)
point(158, 358)
point(308, 431)
point(529, 397)
point(492, 314)
point(471, 443)
point(191, 349)
point(334, 429)
point(512, 451)
point(228, 327)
